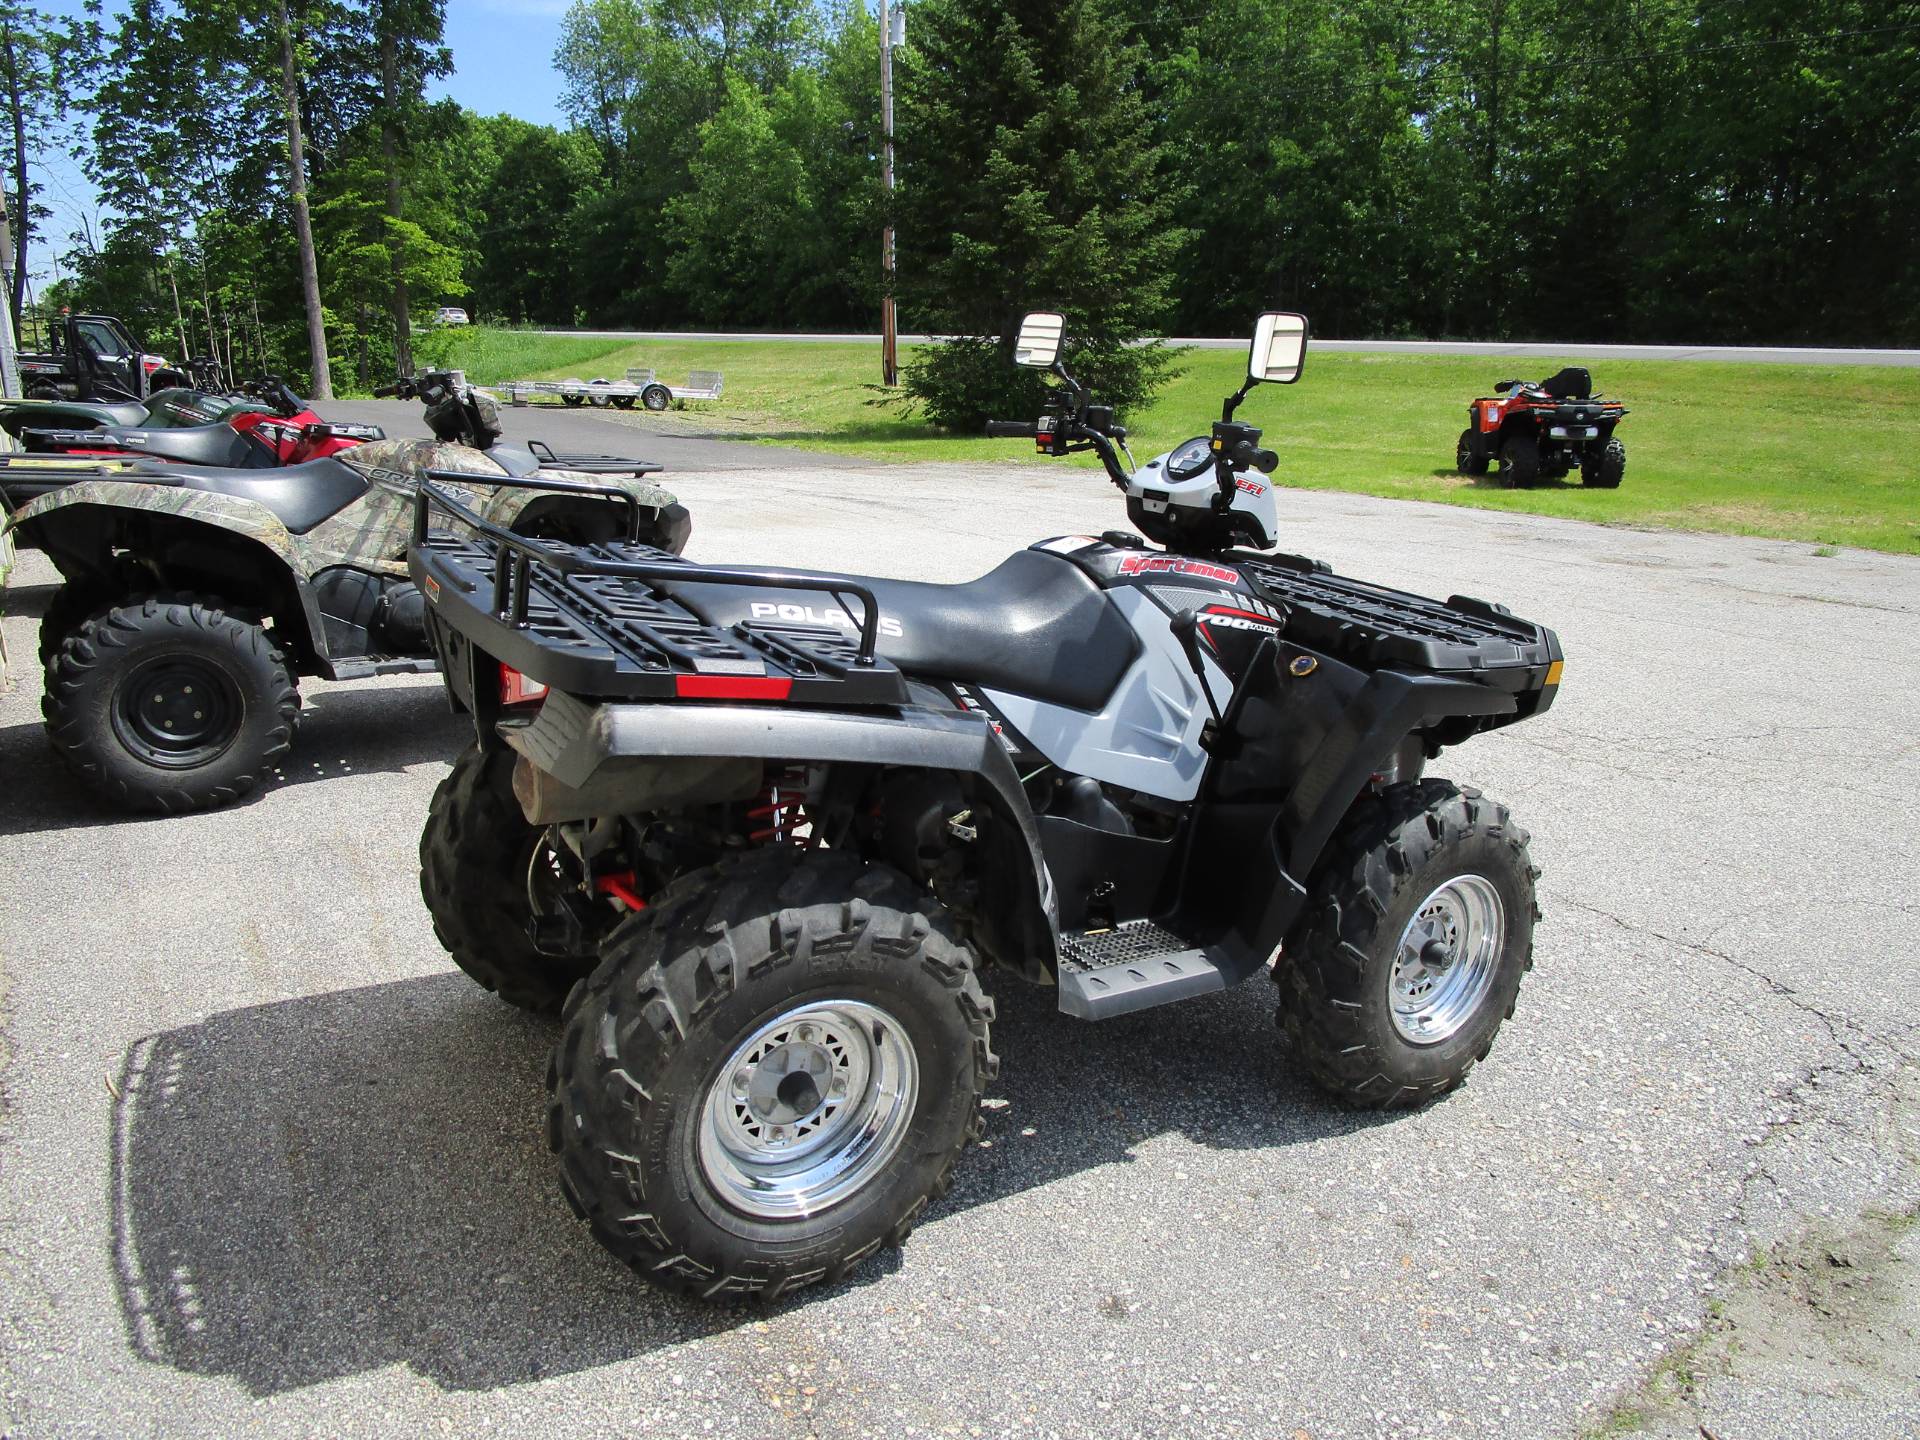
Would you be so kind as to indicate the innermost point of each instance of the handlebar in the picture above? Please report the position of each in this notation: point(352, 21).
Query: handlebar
point(1011, 429)
point(1265, 461)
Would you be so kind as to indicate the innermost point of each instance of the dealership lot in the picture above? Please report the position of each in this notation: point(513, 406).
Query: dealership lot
point(267, 1163)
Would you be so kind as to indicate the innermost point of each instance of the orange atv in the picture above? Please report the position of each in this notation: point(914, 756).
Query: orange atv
point(1542, 430)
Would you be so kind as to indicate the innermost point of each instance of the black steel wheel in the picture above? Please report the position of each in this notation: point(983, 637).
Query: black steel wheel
point(573, 398)
point(168, 703)
point(623, 402)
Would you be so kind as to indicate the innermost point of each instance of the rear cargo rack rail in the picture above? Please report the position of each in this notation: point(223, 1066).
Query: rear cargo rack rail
point(516, 557)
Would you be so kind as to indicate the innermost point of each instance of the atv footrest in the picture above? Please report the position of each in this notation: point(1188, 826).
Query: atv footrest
point(1132, 967)
point(367, 668)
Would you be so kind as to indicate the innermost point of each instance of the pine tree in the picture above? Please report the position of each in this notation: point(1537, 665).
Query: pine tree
point(1029, 180)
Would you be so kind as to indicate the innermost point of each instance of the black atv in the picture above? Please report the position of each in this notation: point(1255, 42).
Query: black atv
point(756, 834)
point(1540, 430)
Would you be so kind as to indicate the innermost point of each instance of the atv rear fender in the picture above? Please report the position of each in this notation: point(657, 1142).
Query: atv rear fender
point(600, 759)
point(226, 545)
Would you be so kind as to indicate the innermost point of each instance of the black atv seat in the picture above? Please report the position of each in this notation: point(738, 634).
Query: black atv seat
point(299, 496)
point(196, 445)
point(1035, 625)
point(1572, 383)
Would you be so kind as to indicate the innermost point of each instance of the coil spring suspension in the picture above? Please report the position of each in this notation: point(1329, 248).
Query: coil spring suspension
point(778, 814)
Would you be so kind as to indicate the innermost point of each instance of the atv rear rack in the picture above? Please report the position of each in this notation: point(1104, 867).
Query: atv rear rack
point(1370, 625)
point(604, 621)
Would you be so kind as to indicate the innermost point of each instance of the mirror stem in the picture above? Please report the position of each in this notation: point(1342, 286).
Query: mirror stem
point(1233, 400)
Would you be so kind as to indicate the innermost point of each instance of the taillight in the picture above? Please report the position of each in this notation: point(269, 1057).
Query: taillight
point(517, 689)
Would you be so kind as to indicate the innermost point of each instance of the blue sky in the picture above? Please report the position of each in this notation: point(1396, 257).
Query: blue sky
point(503, 62)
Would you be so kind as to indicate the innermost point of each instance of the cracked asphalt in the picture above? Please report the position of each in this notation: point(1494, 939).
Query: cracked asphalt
point(269, 1165)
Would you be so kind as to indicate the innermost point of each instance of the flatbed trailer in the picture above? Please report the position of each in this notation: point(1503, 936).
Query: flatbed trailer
point(640, 385)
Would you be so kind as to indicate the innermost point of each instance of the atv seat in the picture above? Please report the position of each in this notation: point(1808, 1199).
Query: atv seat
point(299, 496)
point(196, 445)
point(1035, 625)
point(1572, 383)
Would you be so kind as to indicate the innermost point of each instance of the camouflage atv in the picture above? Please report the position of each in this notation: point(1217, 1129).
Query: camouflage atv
point(194, 596)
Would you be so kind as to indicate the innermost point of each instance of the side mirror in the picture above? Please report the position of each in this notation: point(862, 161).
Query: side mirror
point(1038, 345)
point(1279, 348)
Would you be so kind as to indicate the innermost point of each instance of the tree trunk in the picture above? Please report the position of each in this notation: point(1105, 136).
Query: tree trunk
point(22, 215)
point(390, 150)
point(302, 221)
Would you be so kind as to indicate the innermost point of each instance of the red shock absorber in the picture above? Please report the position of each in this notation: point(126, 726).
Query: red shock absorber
point(778, 813)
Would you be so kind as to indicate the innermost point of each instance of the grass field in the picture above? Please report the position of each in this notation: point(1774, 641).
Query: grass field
point(1826, 455)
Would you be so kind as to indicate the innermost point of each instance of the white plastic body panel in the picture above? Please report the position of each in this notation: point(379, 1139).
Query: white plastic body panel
point(1148, 736)
point(1253, 492)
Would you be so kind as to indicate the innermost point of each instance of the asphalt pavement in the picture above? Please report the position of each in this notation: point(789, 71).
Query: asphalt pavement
point(1518, 349)
point(269, 1165)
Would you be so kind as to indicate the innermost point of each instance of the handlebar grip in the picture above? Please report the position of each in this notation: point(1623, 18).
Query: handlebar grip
point(1265, 461)
point(387, 390)
point(1011, 429)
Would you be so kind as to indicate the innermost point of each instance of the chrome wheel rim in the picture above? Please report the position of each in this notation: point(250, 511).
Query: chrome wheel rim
point(808, 1109)
point(1444, 966)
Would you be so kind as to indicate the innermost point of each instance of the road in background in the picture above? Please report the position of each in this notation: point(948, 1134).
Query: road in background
point(1519, 350)
point(269, 1165)
point(588, 430)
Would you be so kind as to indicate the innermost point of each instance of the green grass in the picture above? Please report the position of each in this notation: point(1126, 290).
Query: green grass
point(1824, 455)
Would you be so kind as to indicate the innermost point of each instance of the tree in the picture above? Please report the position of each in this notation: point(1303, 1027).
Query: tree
point(531, 181)
point(1030, 178)
point(322, 380)
point(642, 77)
point(38, 62)
point(781, 218)
point(407, 36)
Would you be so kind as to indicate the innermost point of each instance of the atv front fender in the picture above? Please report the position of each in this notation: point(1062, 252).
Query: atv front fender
point(583, 746)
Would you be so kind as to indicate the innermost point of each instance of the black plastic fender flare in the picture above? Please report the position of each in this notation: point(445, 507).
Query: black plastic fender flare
point(77, 534)
point(576, 740)
point(1391, 705)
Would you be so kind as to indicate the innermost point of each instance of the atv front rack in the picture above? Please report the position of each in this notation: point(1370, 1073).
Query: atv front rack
point(604, 620)
point(589, 464)
point(1370, 625)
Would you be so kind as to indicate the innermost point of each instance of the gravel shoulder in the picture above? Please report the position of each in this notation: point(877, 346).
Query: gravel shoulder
point(269, 1165)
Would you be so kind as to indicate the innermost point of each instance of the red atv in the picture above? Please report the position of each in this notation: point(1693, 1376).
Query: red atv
point(1542, 430)
point(289, 434)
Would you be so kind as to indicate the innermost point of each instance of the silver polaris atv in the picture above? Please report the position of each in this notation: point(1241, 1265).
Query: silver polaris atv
point(756, 834)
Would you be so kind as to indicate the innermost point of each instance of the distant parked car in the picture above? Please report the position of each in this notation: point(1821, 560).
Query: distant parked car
point(450, 315)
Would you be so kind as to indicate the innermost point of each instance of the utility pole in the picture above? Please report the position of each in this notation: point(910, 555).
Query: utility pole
point(893, 31)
